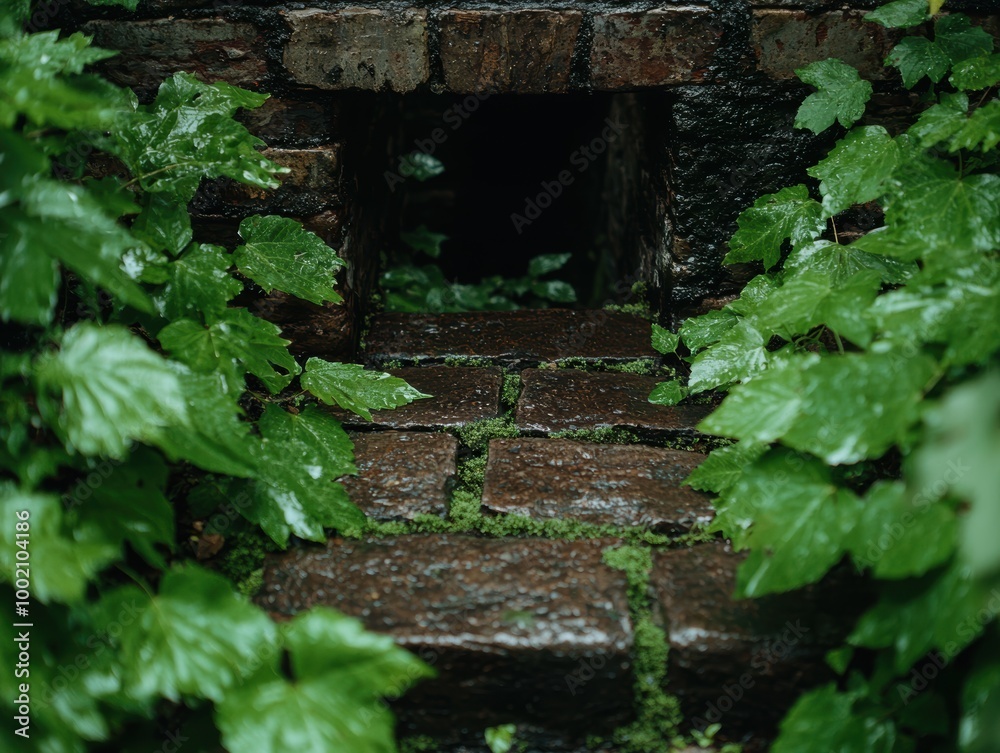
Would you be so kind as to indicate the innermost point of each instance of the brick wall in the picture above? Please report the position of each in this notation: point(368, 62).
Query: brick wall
point(712, 87)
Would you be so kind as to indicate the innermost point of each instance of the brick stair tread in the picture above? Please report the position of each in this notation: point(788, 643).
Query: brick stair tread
point(509, 338)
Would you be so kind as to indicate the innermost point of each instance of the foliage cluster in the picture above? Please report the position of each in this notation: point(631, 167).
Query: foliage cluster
point(133, 379)
point(864, 400)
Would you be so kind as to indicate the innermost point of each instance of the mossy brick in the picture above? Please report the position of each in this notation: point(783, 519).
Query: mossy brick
point(518, 630)
point(516, 50)
point(213, 49)
point(459, 396)
point(358, 48)
point(556, 400)
point(402, 474)
point(784, 40)
point(624, 485)
point(658, 47)
point(509, 338)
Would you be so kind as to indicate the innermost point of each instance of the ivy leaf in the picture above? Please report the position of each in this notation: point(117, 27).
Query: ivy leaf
point(959, 39)
point(843, 263)
point(668, 393)
point(901, 534)
point(557, 291)
point(422, 239)
point(841, 97)
point(301, 497)
point(105, 388)
point(237, 338)
point(698, 332)
point(63, 557)
point(844, 729)
point(196, 638)
point(163, 223)
point(901, 14)
point(546, 263)
point(773, 219)
point(916, 57)
point(279, 254)
point(796, 530)
point(724, 467)
point(941, 121)
point(939, 611)
point(738, 354)
point(355, 389)
point(48, 55)
point(29, 280)
point(975, 73)
point(421, 166)
point(663, 340)
point(981, 130)
point(339, 672)
point(857, 169)
point(198, 283)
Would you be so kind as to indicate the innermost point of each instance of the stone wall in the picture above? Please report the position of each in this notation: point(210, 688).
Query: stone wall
point(711, 85)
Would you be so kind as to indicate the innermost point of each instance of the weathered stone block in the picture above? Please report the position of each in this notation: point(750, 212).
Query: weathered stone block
point(459, 396)
point(784, 40)
point(510, 338)
point(569, 400)
point(743, 662)
point(653, 48)
point(213, 49)
point(508, 51)
point(284, 121)
point(358, 48)
point(624, 485)
point(402, 474)
point(506, 623)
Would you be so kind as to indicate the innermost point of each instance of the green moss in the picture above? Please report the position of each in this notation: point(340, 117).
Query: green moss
point(243, 559)
point(417, 744)
point(600, 435)
point(510, 391)
point(658, 715)
point(474, 362)
point(477, 435)
point(391, 364)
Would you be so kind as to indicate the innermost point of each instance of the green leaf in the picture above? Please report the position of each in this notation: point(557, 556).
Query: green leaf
point(420, 166)
point(981, 131)
point(198, 283)
point(62, 557)
point(916, 57)
point(668, 393)
point(554, 290)
point(959, 456)
point(699, 332)
point(959, 39)
point(739, 354)
point(663, 340)
point(105, 388)
point(901, 14)
point(279, 254)
point(331, 703)
point(47, 55)
point(724, 467)
point(29, 280)
point(237, 341)
point(843, 263)
point(941, 121)
point(841, 97)
point(796, 530)
point(163, 223)
point(939, 611)
point(542, 265)
point(901, 534)
point(422, 239)
point(355, 389)
point(301, 497)
point(840, 408)
point(824, 720)
point(195, 639)
point(773, 219)
point(500, 739)
point(975, 73)
point(857, 169)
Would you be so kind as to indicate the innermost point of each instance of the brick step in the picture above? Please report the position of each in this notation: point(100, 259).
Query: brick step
point(515, 339)
point(538, 632)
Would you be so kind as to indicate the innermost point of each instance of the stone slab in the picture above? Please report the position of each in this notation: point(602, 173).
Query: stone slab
point(524, 51)
point(554, 400)
point(213, 49)
point(402, 474)
point(458, 396)
point(625, 485)
point(743, 662)
point(509, 338)
point(659, 47)
point(358, 48)
point(505, 622)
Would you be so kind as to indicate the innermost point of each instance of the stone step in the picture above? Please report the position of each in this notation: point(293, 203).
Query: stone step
point(402, 474)
point(504, 623)
point(555, 400)
point(625, 485)
point(459, 396)
point(515, 339)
